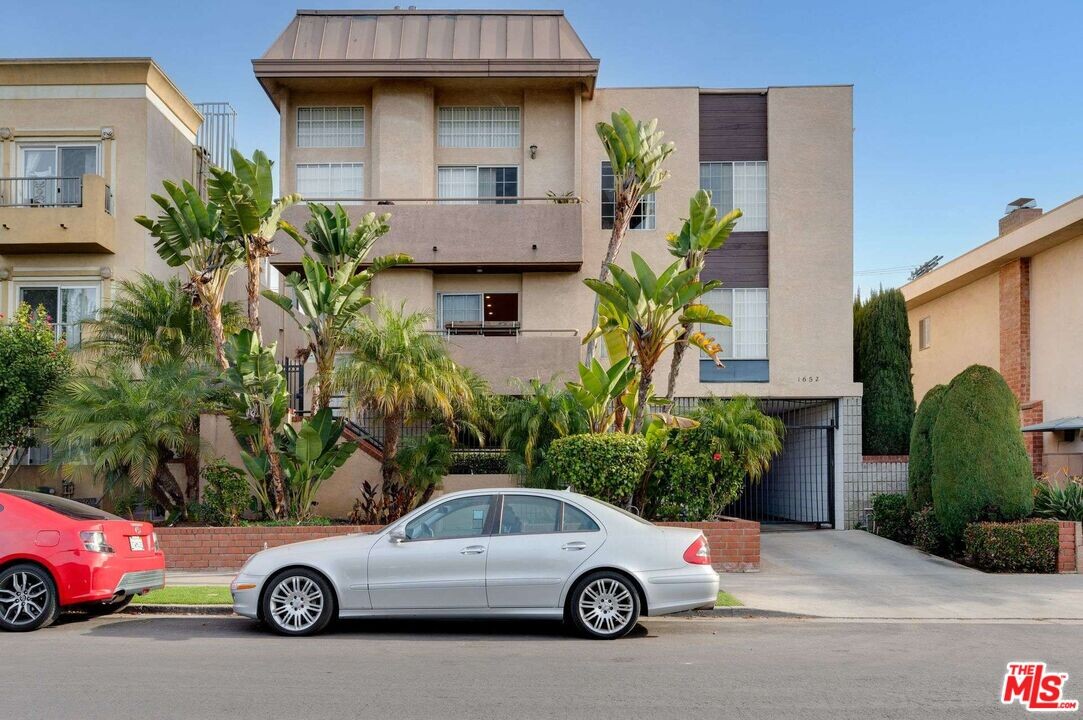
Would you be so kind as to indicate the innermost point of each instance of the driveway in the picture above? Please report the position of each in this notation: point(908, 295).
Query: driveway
point(854, 574)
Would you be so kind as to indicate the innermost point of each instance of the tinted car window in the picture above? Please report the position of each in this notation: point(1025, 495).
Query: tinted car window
point(63, 506)
point(528, 514)
point(575, 520)
point(461, 517)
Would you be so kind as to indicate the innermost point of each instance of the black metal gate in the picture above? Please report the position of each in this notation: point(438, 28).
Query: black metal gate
point(800, 486)
point(295, 385)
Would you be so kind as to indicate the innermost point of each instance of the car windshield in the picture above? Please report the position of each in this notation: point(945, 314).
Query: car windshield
point(67, 508)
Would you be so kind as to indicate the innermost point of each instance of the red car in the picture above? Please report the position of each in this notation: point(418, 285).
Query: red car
point(57, 553)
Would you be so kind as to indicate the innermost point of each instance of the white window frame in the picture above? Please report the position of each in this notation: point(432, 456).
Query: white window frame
point(59, 323)
point(511, 200)
point(330, 195)
point(925, 333)
point(732, 349)
point(331, 128)
point(646, 210)
point(755, 218)
point(466, 126)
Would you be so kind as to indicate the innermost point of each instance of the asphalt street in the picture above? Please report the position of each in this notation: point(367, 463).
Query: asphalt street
point(217, 667)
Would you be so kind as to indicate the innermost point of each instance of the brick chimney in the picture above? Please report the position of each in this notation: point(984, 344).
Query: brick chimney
point(1018, 213)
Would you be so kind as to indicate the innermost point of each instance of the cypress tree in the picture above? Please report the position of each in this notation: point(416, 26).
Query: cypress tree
point(887, 410)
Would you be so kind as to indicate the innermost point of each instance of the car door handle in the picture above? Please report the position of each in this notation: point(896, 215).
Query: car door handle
point(574, 546)
point(473, 550)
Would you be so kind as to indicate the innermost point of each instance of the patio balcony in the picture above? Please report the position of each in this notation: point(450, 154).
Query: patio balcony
point(503, 358)
point(56, 215)
point(518, 234)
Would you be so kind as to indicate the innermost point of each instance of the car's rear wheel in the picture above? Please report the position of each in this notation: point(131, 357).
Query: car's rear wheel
point(298, 602)
point(604, 605)
point(27, 599)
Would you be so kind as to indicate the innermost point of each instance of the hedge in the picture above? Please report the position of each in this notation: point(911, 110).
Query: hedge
point(891, 517)
point(488, 462)
point(887, 408)
point(607, 466)
point(1021, 547)
point(980, 466)
point(926, 533)
point(921, 448)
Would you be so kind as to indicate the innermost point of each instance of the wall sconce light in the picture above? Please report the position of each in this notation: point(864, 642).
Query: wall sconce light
point(533, 151)
point(6, 226)
point(63, 226)
point(434, 248)
point(534, 246)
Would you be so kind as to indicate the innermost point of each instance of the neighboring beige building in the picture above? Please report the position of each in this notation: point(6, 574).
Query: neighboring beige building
point(460, 123)
point(1012, 304)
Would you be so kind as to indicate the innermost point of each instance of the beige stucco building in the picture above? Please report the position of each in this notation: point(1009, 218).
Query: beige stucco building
point(1012, 304)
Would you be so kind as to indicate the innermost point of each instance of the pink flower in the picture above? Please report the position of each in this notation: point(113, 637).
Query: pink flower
point(717, 457)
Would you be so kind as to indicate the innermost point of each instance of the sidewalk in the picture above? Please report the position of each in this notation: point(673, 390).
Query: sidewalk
point(854, 574)
point(179, 577)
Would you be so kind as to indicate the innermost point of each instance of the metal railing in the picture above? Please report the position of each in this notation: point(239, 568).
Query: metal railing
point(499, 328)
point(475, 200)
point(42, 192)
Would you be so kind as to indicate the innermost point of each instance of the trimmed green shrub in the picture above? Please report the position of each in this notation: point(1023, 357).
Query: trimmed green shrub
point(1022, 547)
point(887, 409)
point(1060, 500)
point(926, 532)
point(607, 466)
point(980, 466)
point(494, 462)
point(226, 493)
point(891, 517)
point(921, 448)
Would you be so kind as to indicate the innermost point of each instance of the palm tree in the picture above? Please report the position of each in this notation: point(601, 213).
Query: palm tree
point(423, 462)
point(742, 434)
point(529, 423)
point(151, 321)
point(399, 369)
point(701, 233)
point(127, 430)
point(636, 153)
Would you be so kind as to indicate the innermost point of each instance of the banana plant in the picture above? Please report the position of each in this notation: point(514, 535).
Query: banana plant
point(636, 153)
point(310, 455)
point(251, 215)
point(701, 233)
point(600, 390)
point(189, 233)
point(651, 311)
point(331, 290)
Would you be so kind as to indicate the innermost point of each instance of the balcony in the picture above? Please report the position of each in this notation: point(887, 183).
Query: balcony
point(523, 354)
point(525, 234)
point(56, 215)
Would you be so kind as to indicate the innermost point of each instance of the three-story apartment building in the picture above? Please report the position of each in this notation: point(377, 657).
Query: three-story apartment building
point(475, 130)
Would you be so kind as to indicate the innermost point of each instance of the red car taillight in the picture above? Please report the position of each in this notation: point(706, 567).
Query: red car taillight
point(94, 541)
point(698, 553)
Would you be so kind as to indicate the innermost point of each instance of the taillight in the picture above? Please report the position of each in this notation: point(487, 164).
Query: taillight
point(94, 541)
point(699, 552)
point(154, 542)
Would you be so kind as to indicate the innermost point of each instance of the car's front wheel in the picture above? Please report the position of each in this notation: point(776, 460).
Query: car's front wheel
point(298, 602)
point(604, 605)
point(27, 599)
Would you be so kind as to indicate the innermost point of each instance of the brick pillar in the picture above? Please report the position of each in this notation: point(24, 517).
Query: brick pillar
point(1015, 349)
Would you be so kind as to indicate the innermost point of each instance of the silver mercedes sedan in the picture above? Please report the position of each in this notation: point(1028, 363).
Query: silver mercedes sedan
point(503, 553)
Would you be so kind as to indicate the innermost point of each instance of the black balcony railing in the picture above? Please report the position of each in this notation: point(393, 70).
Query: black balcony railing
point(42, 192)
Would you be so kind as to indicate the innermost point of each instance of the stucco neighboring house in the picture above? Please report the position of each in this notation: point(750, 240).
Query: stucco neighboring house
point(460, 123)
point(1013, 304)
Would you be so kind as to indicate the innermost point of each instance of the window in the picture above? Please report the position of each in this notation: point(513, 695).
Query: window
point(66, 305)
point(330, 127)
point(458, 518)
point(478, 127)
point(575, 520)
point(738, 185)
point(746, 308)
point(63, 506)
point(466, 181)
point(331, 181)
point(642, 218)
point(478, 313)
point(54, 173)
point(270, 276)
point(924, 333)
point(529, 514)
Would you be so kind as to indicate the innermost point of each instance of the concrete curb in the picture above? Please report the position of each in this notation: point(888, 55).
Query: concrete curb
point(227, 610)
point(740, 611)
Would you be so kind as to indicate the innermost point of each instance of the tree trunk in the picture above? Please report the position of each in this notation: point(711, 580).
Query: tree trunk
point(251, 261)
point(392, 430)
point(325, 368)
point(190, 458)
point(166, 489)
point(678, 355)
point(212, 308)
point(278, 485)
point(621, 217)
point(647, 374)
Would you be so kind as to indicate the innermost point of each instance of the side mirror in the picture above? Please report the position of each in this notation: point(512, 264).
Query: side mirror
point(396, 537)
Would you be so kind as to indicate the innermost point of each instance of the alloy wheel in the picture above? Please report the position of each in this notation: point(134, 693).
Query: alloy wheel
point(606, 606)
point(23, 598)
point(296, 603)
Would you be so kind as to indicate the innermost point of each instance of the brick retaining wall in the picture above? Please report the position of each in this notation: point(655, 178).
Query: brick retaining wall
point(735, 544)
point(1071, 547)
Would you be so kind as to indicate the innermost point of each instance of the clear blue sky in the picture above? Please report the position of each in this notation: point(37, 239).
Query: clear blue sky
point(960, 106)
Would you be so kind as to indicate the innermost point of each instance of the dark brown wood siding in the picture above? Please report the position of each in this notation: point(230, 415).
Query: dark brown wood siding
point(741, 263)
point(732, 127)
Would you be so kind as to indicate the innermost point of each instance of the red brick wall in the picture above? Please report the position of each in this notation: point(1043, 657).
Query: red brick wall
point(1015, 350)
point(735, 544)
point(1067, 556)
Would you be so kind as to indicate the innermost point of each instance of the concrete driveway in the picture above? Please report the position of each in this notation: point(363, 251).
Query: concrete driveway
point(854, 574)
